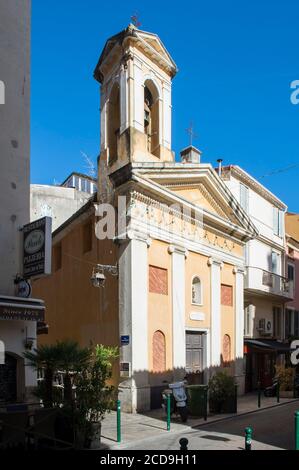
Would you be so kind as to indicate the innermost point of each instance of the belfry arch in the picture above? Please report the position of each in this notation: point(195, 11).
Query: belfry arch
point(152, 116)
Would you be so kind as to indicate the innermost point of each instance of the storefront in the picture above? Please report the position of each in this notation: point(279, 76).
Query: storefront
point(261, 357)
point(18, 331)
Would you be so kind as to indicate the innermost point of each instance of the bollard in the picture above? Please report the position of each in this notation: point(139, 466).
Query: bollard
point(118, 411)
point(248, 438)
point(168, 412)
point(206, 404)
point(184, 443)
point(259, 395)
point(296, 430)
point(236, 398)
point(278, 392)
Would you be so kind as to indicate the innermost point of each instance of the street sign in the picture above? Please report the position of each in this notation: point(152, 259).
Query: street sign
point(37, 248)
point(125, 340)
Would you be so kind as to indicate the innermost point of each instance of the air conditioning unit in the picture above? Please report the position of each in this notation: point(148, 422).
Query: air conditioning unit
point(265, 327)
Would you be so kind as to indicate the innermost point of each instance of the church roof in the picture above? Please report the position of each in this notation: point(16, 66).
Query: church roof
point(149, 42)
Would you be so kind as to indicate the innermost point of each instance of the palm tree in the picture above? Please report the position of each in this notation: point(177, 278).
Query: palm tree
point(45, 357)
point(72, 359)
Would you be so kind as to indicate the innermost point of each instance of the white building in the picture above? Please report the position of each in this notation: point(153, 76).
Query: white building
point(61, 202)
point(266, 287)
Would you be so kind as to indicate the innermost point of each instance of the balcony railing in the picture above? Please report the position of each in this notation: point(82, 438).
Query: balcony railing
point(259, 279)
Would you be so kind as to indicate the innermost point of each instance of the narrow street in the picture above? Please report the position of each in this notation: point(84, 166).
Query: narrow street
point(272, 428)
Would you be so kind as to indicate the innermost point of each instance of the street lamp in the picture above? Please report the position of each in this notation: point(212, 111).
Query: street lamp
point(98, 277)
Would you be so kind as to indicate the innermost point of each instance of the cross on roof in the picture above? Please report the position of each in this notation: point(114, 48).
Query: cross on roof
point(192, 134)
point(135, 20)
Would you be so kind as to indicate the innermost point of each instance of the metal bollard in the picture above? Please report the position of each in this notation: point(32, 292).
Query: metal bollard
point(278, 392)
point(296, 430)
point(184, 443)
point(206, 404)
point(118, 414)
point(259, 395)
point(168, 412)
point(248, 438)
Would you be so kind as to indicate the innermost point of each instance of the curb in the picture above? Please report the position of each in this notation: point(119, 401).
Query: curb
point(244, 413)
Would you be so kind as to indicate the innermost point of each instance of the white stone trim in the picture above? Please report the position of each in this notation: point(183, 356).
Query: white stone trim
point(239, 312)
point(178, 310)
point(216, 266)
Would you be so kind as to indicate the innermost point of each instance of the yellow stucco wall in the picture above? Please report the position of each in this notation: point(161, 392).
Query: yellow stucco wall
point(197, 265)
point(74, 308)
point(159, 305)
point(228, 312)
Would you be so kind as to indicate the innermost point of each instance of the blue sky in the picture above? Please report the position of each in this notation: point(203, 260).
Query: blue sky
point(236, 61)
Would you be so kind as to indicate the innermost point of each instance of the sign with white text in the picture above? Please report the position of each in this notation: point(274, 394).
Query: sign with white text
point(37, 248)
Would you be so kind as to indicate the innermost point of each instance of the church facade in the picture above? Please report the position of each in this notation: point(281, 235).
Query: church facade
point(176, 307)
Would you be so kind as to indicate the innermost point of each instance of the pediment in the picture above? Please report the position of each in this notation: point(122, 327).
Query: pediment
point(199, 195)
point(201, 186)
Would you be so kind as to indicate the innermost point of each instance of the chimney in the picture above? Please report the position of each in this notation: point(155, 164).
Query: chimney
point(219, 161)
point(190, 155)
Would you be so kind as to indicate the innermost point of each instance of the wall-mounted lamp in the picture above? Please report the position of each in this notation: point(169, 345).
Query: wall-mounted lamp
point(98, 277)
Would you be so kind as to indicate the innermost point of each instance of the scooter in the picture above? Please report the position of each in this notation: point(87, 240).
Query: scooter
point(178, 399)
point(271, 391)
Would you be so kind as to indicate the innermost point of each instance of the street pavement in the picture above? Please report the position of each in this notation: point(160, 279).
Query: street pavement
point(148, 430)
point(273, 428)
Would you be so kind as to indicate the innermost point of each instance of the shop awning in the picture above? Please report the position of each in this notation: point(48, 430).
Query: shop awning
point(19, 308)
point(270, 345)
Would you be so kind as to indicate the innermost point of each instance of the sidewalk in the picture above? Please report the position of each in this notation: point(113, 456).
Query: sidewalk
point(138, 427)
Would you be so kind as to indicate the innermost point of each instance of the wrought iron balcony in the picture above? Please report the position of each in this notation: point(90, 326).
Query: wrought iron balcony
point(261, 281)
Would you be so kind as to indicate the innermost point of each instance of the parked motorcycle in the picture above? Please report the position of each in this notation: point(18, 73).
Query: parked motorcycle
point(178, 399)
point(271, 391)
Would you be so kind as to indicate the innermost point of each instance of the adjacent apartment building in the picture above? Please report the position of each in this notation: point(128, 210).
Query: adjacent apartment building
point(18, 314)
point(268, 284)
point(292, 268)
point(60, 202)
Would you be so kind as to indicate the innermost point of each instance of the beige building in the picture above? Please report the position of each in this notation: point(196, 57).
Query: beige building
point(176, 306)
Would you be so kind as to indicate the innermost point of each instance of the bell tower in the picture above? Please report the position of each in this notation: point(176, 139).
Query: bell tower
point(135, 72)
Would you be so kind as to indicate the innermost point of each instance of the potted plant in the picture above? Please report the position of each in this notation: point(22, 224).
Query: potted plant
point(285, 377)
point(222, 393)
point(94, 397)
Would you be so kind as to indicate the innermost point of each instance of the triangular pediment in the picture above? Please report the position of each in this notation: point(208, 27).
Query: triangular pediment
point(199, 195)
point(150, 44)
point(201, 186)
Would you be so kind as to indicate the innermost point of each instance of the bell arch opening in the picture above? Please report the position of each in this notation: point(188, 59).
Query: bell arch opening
point(151, 117)
point(113, 123)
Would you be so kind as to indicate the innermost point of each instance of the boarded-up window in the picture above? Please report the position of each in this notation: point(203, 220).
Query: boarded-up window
point(57, 257)
point(226, 350)
point(87, 237)
point(159, 352)
point(226, 295)
point(158, 280)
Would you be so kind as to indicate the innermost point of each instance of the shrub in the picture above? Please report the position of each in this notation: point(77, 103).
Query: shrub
point(221, 387)
point(285, 376)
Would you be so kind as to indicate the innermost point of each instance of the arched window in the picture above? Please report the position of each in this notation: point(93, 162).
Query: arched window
point(196, 291)
point(151, 117)
point(159, 352)
point(226, 350)
point(113, 122)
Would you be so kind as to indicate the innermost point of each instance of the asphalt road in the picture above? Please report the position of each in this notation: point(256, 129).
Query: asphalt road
point(273, 427)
